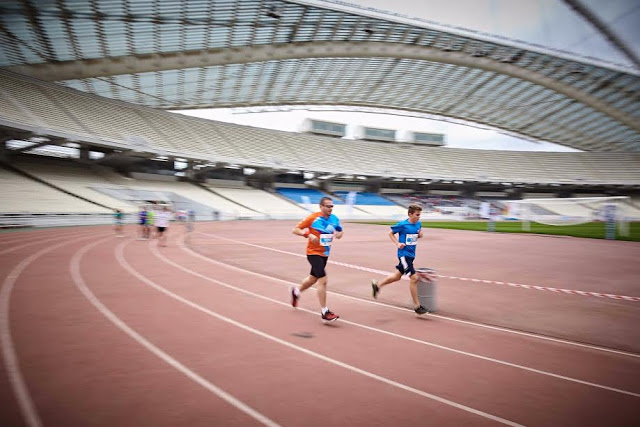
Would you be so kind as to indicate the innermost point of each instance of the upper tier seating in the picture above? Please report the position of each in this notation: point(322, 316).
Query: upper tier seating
point(53, 110)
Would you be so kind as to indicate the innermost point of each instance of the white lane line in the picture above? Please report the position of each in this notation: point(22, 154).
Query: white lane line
point(10, 357)
point(466, 322)
point(40, 240)
point(188, 302)
point(382, 331)
point(464, 279)
point(74, 267)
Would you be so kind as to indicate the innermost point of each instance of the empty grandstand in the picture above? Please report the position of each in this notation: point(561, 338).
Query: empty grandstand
point(103, 113)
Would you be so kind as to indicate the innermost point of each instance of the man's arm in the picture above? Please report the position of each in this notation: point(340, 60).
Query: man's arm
point(304, 232)
point(301, 231)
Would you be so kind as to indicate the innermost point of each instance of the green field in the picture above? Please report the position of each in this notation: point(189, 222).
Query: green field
point(594, 230)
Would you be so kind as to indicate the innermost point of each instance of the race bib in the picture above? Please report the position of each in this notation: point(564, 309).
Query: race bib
point(412, 240)
point(326, 239)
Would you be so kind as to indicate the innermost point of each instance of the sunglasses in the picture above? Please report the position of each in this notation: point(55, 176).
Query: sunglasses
point(328, 206)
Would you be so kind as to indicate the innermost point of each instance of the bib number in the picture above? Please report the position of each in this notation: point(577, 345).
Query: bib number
point(411, 240)
point(326, 239)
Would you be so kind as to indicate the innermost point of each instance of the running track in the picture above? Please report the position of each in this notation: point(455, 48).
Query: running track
point(99, 330)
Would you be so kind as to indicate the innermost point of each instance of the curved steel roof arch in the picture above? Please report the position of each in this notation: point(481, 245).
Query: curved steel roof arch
point(176, 54)
point(254, 54)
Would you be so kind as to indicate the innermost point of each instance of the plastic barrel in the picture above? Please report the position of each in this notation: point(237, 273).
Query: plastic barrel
point(427, 288)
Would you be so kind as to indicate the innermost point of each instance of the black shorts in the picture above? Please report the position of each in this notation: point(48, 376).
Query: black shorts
point(161, 229)
point(318, 263)
point(406, 265)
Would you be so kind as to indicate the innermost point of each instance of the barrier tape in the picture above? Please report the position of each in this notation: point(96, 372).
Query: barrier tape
point(496, 282)
point(464, 279)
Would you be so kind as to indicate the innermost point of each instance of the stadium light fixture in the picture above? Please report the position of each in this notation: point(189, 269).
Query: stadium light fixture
point(274, 12)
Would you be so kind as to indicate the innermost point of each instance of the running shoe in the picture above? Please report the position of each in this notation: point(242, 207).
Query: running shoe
point(329, 316)
point(421, 310)
point(294, 297)
point(375, 288)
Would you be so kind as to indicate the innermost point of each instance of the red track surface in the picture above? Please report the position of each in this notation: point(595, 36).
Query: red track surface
point(97, 330)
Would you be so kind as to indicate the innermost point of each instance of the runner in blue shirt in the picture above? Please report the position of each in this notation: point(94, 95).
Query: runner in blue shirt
point(142, 220)
point(408, 231)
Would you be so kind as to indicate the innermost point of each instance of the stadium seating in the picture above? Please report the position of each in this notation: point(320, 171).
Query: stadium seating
point(24, 195)
point(52, 109)
point(261, 201)
point(304, 196)
point(55, 111)
point(363, 198)
point(375, 205)
point(76, 179)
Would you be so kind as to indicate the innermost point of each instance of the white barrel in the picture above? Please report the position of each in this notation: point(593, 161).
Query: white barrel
point(427, 288)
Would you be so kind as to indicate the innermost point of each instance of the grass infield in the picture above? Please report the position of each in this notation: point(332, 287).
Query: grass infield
point(593, 230)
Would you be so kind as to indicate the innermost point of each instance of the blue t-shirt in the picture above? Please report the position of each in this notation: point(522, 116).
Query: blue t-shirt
point(324, 229)
point(407, 234)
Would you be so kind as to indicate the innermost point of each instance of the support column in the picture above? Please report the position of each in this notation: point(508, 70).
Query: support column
point(84, 153)
point(4, 151)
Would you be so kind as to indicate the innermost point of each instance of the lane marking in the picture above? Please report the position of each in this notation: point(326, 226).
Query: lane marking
point(155, 251)
point(39, 240)
point(493, 282)
point(74, 267)
point(142, 278)
point(10, 356)
point(466, 322)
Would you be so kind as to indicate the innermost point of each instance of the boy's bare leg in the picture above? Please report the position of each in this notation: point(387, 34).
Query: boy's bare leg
point(393, 277)
point(413, 287)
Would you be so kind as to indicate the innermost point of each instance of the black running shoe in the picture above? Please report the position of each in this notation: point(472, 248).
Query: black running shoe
point(375, 288)
point(421, 310)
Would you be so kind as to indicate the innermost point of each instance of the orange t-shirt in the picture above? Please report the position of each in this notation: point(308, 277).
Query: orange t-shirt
point(324, 229)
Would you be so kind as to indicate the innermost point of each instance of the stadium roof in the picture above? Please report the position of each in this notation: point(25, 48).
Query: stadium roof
point(179, 54)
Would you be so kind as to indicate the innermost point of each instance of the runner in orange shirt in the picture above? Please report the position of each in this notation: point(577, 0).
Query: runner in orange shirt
point(319, 228)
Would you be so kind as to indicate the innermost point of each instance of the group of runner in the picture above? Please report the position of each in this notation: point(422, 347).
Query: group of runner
point(322, 227)
point(319, 228)
point(160, 217)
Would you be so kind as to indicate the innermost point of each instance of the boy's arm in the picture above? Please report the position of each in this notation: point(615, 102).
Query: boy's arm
point(395, 241)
